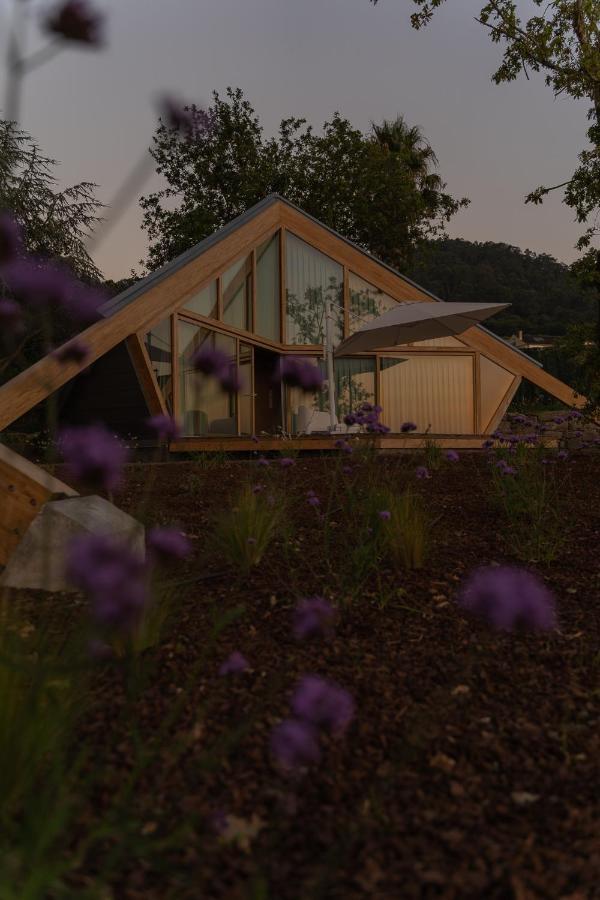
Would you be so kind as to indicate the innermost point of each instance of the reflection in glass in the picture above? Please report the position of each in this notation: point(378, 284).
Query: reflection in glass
point(205, 301)
point(366, 302)
point(307, 412)
point(246, 395)
point(204, 407)
point(310, 277)
point(160, 351)
point(354, 383)
point(267, 289)
point(236, 288)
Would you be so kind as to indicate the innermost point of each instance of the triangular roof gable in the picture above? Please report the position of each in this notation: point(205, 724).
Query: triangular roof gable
point(161, 293)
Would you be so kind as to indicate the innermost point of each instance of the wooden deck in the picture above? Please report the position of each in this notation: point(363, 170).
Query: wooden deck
point(315, 442)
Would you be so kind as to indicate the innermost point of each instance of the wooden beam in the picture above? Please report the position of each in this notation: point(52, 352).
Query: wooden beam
point(147, 379)
point(24, 488)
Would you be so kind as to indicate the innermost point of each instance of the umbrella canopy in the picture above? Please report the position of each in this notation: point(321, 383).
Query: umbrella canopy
point(416, 321)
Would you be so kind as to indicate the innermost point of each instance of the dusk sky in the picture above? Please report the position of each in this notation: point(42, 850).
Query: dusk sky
point(94, 111)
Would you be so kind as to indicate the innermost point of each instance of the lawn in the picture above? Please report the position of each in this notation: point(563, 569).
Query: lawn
point(469, 769)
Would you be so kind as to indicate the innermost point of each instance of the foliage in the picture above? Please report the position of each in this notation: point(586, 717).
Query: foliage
point(228, 167)
point(432, 453)
point(407, 531)
point(531, 500)
point(545, 296)
point(245, 532)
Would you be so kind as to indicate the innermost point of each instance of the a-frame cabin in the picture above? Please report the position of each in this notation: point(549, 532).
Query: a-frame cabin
point(256, 290)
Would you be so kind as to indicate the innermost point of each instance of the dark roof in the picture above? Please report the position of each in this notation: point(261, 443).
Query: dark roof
point(115, 304)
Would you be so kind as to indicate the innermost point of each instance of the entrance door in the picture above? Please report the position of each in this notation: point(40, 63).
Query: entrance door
point(267, 395)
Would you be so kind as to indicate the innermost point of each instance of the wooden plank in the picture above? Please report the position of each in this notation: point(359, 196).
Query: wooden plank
point(321, 442)
point(147, 379)
point(37, 382)
point(24, 488)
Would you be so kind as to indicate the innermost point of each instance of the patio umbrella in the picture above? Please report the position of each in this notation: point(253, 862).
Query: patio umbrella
point(416, 321)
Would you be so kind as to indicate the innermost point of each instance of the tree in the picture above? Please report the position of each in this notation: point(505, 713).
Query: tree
point(563, 43)
point(55, 223)
point(352, 181)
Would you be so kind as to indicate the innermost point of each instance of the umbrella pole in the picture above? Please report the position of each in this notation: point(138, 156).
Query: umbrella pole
point(329, 359)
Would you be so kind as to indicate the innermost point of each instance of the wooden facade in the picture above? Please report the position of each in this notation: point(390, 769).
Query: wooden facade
point(225, 293)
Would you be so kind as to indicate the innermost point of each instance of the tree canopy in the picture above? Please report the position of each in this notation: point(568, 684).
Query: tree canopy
point(378, 189)
point(544, 295)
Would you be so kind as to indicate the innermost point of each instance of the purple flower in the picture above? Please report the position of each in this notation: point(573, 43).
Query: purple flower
point(347, 470)
point(452, 456)
point(323, 703)
point(176, 114)
point(343, 445)
point(312, 617)
point(295, 744)
point(75, 351)
point(313, 500)
point(507, 596)
point(230, 380)
point(254, 439)
point(300, 373)
point(218, 821)
point(408, 426)
point(235, 664)
point(422, 472)
point(258, 488)
point(210, 361)
point(562, 454)
point(385, 515)
point(165, 427)
point(38, 284)
point(263, 461)
point(285, 462)
point(77, 21)
point(114, 578)
point(93, 455)
point(168, 544)
point(11, 239)
point(11, 318)
point(487, 444)
point(350, 419)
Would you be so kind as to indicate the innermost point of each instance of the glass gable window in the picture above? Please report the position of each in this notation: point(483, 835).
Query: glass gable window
point(204, 407)
point(205, 301)
point(236, 288)
point(310, 278)
point(267, 289)
point(366, 302)
point(354, 383)
point(160, 351)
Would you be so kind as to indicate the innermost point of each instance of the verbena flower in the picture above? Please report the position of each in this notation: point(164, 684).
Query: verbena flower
point(11, 239)
point(258, 488)
point(312, 499)
point(452, 456)
point(93, 455)
point(562, 454)
point(113, 577)
point(285, 462)
point(77, 21)
point(38, 284)
point(210, 361)
point(350, 419)
point(323, 703)
point(230, 380)
point(422, 472)
point(313, 617)
point(347, 470)
point(295, 744)
point(168, 544)
point(235, 664)
point(300, 373)
point(75, 351)
point(263, 461)
point(385, 515)
point(408, 426)
point(176, 114)
point(343, 445)
point(165, 427)
point(507, 596)
point(487, 444)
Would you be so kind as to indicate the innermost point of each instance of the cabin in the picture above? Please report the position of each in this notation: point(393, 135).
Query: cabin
point(257, 290)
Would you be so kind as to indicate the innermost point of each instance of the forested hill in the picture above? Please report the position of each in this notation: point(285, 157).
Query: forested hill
point(545, 297)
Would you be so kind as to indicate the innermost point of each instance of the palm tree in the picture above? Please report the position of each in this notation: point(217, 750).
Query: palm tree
point(410, 148)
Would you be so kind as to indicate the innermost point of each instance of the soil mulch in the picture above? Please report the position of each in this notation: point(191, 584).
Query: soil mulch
point(471, 769)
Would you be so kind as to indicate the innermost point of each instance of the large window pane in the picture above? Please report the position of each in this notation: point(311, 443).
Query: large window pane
point(236, 287)
point(246, 395)
point(366, 302)
point(204, 407)
point(354, 383)
point(307, 412)
point(310, 277)
point(267, 289)
point(205, 301)
point(160, 351)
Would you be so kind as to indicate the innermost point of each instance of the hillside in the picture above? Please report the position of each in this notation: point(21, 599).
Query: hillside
point(545, 297)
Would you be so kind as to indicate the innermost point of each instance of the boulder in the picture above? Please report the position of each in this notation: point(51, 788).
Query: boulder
point(38, 562)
